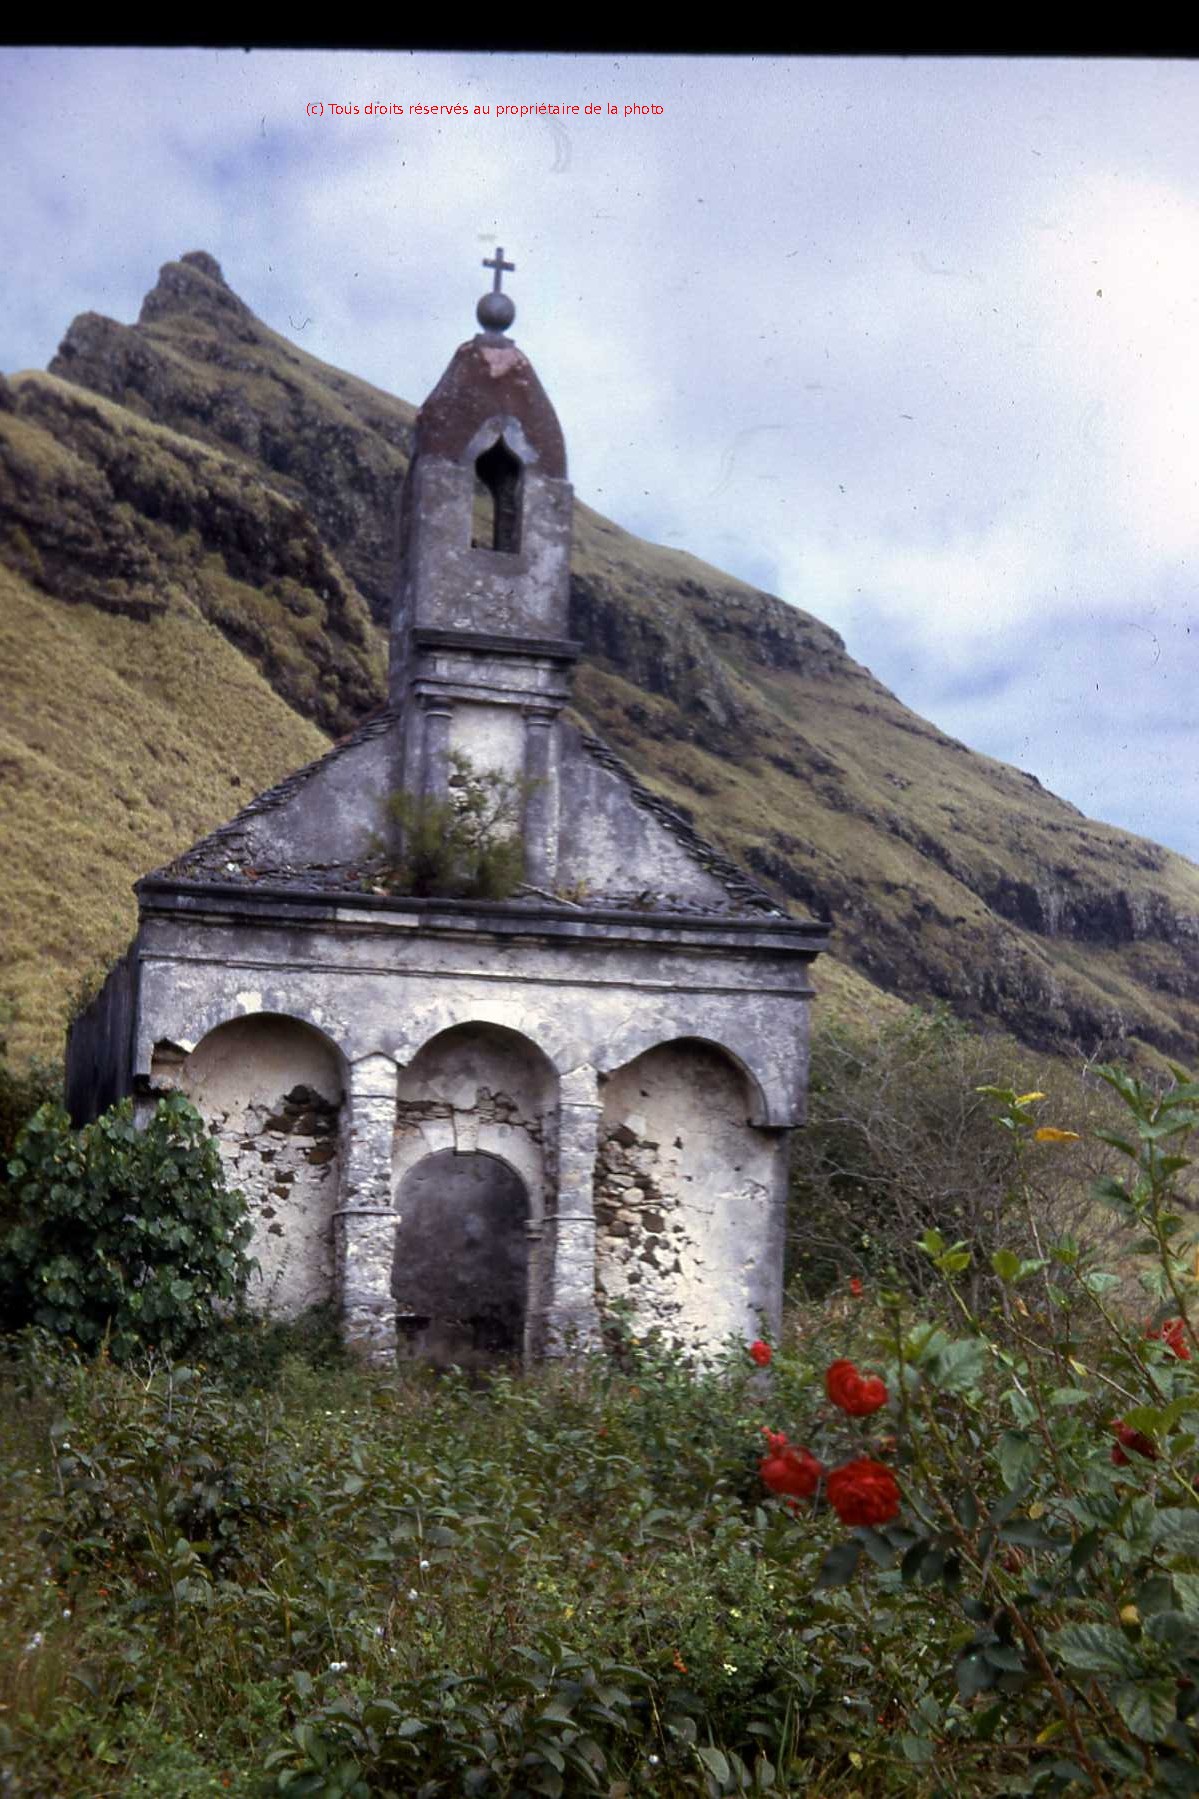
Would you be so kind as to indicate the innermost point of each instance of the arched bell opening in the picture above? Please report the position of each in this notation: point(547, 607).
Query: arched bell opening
point(461, 1271)
point(499, 476)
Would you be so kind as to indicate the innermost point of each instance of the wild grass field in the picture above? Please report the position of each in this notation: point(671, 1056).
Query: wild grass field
point(939, 1537)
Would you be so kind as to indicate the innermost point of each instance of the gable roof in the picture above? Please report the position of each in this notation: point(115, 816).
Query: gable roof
point(226, 856)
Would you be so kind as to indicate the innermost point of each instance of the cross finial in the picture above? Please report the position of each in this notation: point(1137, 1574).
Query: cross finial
point(495, 311)
point(501, 268)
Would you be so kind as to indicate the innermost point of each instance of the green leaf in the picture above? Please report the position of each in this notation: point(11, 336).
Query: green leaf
point(839, 1565)
point(1117, 1142)
point(1093, 1648)
point(1110, 1192)
point(973, 1674)
point(1176, 1528)
point(877, 1547)
point(967, 1510)
point(917, 1750)
point(959, 1364)
point(1147, 1707)
point(1016, 1456)
point(1168, 1127)
point(556, 1712)
point(1086, 1548)
point(909, 1568)
point(1186, 1586)
point(714, 1761)
point(1099, 1281)
point(1006, 1264)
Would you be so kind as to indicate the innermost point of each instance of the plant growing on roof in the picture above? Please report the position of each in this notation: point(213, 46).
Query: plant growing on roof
point(465, 845)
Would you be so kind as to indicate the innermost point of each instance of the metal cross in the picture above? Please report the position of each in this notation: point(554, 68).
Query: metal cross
point(500, 266)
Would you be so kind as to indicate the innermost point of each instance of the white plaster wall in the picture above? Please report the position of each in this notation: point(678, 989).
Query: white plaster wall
point(492, 736)
point(686, 1193)
point(270, 1089)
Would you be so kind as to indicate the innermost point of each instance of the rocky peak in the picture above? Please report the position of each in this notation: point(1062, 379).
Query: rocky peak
point(207, 265)
point(193, 284)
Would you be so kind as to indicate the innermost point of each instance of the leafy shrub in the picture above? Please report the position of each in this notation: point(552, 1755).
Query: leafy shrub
point(900, 1140)
point(122, 1236)
point(250, 1352)
point(1047, 1461)
point(466, 846)
point(22, 1091)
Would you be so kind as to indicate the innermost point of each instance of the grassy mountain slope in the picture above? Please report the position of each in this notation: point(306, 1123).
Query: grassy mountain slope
point(225, 471)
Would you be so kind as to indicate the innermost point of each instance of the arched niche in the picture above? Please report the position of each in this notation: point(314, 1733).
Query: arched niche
point(461, 1271)
point(688, 1196)
point(270, 1088)
point(482, 1089)
point(479, 1086)
point(764, 1104)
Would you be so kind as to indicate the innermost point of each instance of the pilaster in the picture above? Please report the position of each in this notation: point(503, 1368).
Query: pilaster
point(435, 749)
point(365, 1223)
point(572, 1321)
point(538, 808)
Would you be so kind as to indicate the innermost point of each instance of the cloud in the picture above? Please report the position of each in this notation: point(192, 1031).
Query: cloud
point(908, 342)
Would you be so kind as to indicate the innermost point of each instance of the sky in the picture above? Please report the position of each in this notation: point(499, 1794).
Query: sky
point(912, 343)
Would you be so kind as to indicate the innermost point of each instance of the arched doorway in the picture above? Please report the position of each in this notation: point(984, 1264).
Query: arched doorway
point(460, 1275)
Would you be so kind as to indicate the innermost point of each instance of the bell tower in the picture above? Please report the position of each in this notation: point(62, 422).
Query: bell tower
point(480, 660)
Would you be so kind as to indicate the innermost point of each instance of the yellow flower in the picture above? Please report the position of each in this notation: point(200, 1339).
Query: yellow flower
point(1026, 1099)
point(1047, 1134)
point(1129, 1615)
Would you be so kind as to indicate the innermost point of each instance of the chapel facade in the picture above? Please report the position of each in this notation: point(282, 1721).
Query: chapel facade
point(473, 1125)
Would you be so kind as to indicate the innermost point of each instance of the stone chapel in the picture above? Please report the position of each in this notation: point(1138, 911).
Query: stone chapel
point(474, 1125)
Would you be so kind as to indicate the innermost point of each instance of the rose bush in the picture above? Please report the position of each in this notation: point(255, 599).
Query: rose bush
point(1071, 1561)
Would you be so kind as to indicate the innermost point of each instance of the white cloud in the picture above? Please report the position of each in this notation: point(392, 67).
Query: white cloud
point(911, 342)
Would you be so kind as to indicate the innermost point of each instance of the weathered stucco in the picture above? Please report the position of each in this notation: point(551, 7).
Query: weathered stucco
point(271, 1090)
point(688, 1198)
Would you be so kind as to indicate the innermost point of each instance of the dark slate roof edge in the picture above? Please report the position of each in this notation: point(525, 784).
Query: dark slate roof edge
point(736, 883)
point(376, 726)
point(169, 890)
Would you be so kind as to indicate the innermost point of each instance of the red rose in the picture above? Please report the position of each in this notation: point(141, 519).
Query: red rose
point(863, 1492)
point(1130, 1439)
point(761, 1353)
point(1173, 1334)
point(857, 1394)
point(790, 1472)
point(855, 1286)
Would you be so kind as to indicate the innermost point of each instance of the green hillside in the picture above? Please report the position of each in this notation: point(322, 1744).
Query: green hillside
point(194, 493)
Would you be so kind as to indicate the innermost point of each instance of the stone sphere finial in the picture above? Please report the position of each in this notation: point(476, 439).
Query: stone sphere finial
point(495, 311)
